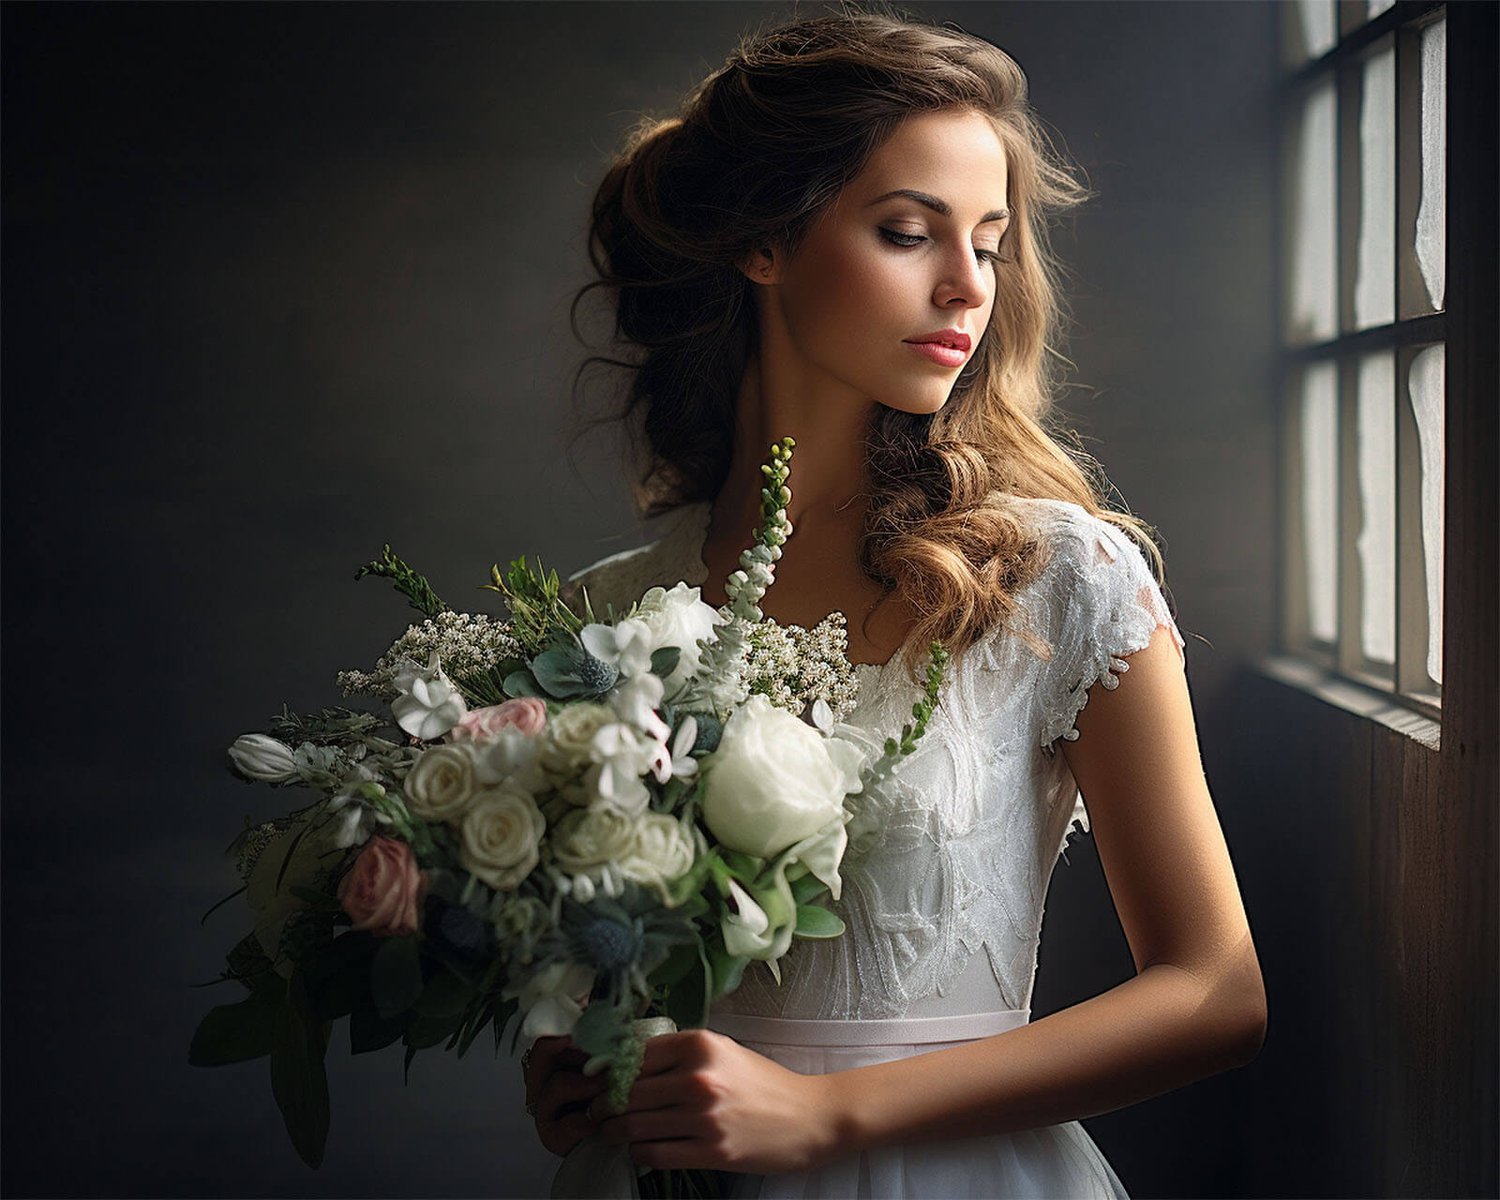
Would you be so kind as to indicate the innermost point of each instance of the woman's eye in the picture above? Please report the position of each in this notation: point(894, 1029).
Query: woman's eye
point(897, 238)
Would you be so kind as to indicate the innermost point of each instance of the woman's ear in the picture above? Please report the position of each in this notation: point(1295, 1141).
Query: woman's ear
point(762, 265)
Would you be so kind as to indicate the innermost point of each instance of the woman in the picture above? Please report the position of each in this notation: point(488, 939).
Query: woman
point(842, 238)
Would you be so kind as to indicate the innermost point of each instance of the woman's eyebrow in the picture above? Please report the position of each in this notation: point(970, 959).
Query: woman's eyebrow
point(937, 205)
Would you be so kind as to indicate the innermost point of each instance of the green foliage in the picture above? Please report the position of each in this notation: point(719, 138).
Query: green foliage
point(298, 1079)
point(396, 976)
point(335, 725)
point(409, 583)
point(816, 922)
point(911, 733)
point(535, 603)
point(234, 1033)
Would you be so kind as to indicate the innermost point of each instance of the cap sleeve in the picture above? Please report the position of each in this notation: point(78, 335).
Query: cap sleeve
point(1106, 604)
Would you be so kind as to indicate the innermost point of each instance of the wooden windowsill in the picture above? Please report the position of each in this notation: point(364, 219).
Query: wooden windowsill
point(1351, 697)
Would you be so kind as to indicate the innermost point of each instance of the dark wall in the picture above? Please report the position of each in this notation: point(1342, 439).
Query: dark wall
point(283, 283)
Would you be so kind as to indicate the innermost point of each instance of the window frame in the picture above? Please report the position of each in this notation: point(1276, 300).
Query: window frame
point(1404, 682)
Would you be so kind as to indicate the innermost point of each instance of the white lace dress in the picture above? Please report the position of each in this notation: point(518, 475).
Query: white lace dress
point(944, 912)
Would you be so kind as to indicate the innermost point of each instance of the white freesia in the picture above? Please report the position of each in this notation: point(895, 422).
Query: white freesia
point(261, 757)
point(443, 783)
point(429, 705)
point(746, 926)
point(506, 754)
point(500, 837)
point(552, 999)
point(774, 780)
point(634, 700)
point(680, 618)
point(622, 755)
point(627, 645)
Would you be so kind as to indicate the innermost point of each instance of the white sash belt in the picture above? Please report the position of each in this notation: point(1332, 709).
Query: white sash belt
point(782, 1031)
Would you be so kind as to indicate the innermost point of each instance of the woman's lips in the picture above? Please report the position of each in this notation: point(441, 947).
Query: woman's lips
point(944, 356)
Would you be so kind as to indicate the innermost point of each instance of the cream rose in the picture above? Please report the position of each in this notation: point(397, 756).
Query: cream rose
point(442, 784)
point(500, 836)
point(587, 839)
point(661, 851)
point(567, 742)
point(774, 780)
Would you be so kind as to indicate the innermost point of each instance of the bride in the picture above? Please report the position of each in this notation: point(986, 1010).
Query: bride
point(842, 237)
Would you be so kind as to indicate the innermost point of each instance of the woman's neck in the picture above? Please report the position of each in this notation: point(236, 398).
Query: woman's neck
point(827, 480)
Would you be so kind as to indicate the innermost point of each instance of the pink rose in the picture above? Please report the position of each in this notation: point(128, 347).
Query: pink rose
point(384, 889)
point(525, 713)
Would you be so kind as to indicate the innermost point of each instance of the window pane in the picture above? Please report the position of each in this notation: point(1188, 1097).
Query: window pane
point(1376, 7)
point(1312, 313)
point(1320, 491)
point(1432, 212)
point(1314, 26)
point(1375, 277)
point(1426, 387)
point(1376, 543)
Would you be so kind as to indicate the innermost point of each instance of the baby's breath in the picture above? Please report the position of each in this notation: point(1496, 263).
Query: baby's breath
point(468, 646)
point(792, 666)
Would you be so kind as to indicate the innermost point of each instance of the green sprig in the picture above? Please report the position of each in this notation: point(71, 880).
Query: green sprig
point(409, 582)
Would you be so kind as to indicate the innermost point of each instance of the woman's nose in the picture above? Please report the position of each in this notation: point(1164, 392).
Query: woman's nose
point(963, 283)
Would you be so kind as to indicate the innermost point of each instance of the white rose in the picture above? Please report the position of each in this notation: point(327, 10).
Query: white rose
point(774, 780)
point(429, 705)
point(500, 836)
point(679, 618)
point(662, 851)
point(260, 757)
point(585, 841)
point(442, 783)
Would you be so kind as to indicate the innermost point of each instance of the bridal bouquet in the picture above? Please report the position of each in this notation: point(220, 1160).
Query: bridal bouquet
point(570, 820)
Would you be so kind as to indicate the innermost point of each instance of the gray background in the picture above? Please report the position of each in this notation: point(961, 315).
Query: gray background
point(285, 282)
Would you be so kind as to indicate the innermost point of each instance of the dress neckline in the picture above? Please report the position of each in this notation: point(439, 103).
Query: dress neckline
point(694, 531)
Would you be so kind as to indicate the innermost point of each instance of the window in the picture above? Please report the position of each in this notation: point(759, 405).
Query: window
point(1364, 331)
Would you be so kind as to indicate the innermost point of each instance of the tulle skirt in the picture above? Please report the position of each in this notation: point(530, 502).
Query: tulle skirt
point(1059, 1161)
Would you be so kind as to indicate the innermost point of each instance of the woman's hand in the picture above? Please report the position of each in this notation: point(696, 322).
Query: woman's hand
point(703, 1100)
point(558, 1092)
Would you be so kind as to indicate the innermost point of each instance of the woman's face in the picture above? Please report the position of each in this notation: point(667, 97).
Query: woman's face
point(904, 256)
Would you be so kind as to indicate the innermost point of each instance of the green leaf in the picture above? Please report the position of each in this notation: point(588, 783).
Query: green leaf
point(522, 683)
point(411, 1053)
point(555, 671)
point(600, 1029)
point(320, 901)
point(688, 999)
point(368, 1030)
point(727, 969)
point(396, 976)
point(298, 1079)
point(675, 966)
point(424, 1032)
point(446, 995)
point(340, 976)
point(815, 922)
point(664, 660)
point(234, 1033)
point(807, 888)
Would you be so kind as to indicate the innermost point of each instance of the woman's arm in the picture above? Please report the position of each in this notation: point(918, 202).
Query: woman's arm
point(1195, 1007)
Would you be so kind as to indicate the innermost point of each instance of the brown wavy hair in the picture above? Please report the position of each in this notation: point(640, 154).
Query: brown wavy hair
point(757, 152)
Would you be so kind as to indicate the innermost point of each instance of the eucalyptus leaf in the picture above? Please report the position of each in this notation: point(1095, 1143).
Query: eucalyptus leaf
point(521, 683)
point(728, 969)
point(556, 671)
point(664, 660)
point(423, 1032)
point(807, 888)
point(396, 976)
point(816, 922)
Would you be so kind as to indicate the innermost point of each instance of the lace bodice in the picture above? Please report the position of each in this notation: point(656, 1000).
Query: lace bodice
point(980, 811)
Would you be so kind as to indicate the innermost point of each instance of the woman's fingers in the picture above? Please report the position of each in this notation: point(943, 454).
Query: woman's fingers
point(660, 1124)
point(563, 1088)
